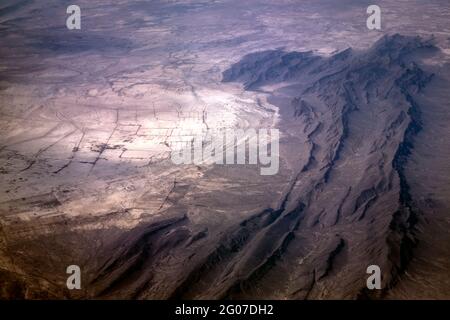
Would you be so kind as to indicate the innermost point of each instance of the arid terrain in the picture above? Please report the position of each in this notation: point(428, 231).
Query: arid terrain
point(89, 119)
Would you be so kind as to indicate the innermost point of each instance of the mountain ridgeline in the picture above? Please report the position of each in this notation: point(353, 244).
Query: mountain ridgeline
point(349, 205)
